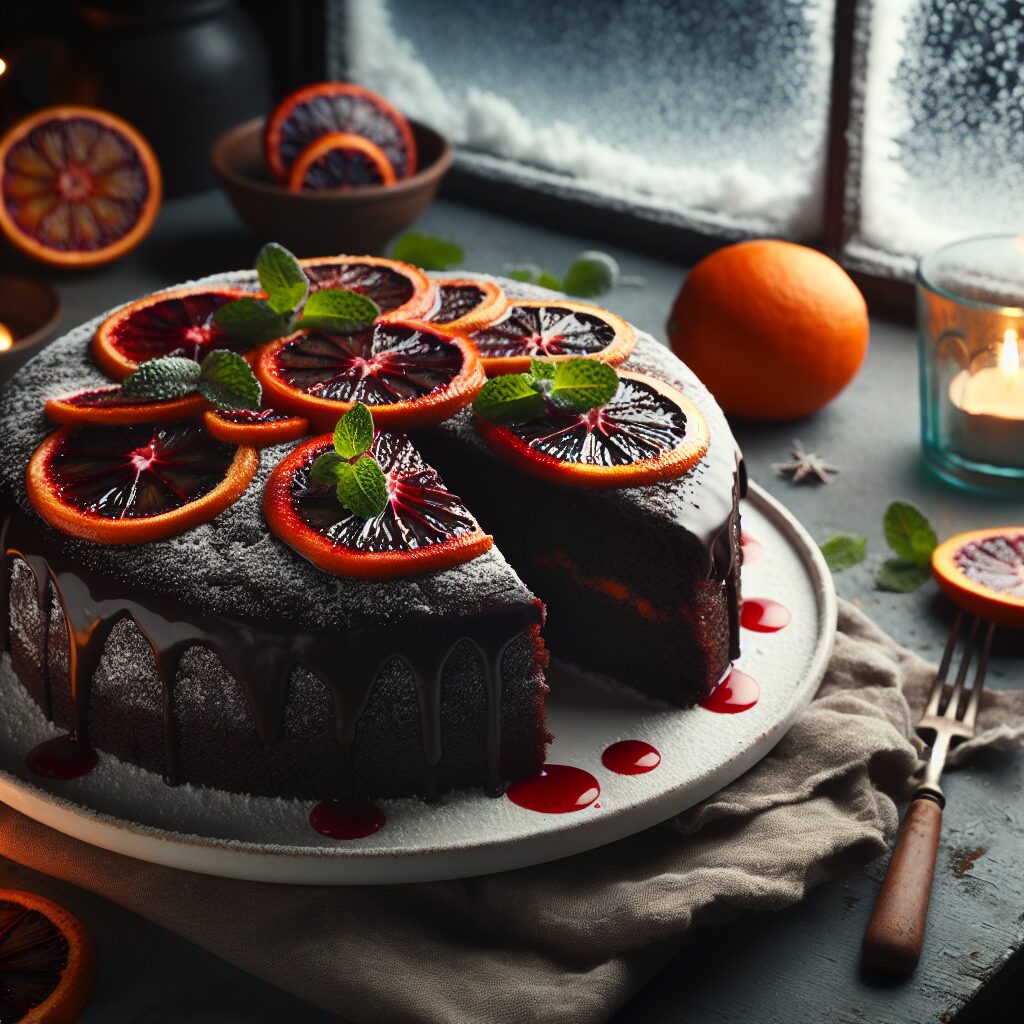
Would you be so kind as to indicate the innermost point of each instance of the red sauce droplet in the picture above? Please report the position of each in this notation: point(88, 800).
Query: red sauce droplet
point(342, 819)
point(558, 789)
point(763, 615)
point(752, 548)
point(631, 757)
point(62, 758)
point(736, 692)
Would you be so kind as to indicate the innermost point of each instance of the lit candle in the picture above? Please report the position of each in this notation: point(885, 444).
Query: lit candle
point(988, 406)
point(6, 338)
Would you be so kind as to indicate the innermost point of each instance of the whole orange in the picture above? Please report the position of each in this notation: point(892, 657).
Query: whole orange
point(775, 330)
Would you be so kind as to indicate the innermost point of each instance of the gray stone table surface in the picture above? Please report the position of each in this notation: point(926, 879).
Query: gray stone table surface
point(796, 966)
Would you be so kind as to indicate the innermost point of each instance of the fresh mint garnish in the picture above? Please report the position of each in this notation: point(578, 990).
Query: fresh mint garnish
point(513, 398)
point(358, 480)
point(223, 378)
point(253, 321)
point(542, 369)
point(844, 551)
point(582, 384)
point(592, 274)
point(901, 577)
point(282, 278)
point(909, 533)
point(338, 312)
point(427, 252)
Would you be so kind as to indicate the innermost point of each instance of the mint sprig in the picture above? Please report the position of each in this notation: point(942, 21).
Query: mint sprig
point(912, 539)
point(427, 252)
point(592, 274)
point(573, 385)
point(223, 378)
point(358, 480)
point(844, 551)
point(289, 306)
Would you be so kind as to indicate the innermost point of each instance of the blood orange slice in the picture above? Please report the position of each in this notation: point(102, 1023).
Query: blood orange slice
point(466, 305)
point(258, 429)
point(983, 572)
point(423, 528)
point(409, 375)
point(340, 160)
point(47, 962)
point(78, 187)
point(552, 329)
point(110, 407)
point(126, 485)
point(176, 322)
point(649, 431)
point(402, 291)
point(308, 113)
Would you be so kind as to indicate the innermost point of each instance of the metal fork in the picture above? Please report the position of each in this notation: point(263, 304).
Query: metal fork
point(895, 933)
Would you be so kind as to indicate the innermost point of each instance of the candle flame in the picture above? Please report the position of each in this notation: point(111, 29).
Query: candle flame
point(1009, 353)
point(6, 338)
point(3, 65)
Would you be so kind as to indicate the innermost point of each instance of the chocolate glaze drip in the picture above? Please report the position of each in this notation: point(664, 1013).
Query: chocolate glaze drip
point(258, 655)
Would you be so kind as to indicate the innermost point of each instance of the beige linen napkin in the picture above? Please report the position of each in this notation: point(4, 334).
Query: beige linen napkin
point(568, 941)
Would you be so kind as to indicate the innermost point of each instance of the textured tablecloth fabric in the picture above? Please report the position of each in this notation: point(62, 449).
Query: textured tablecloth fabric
point(568, 941)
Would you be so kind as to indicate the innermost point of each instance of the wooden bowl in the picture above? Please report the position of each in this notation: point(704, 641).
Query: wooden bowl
point(31, 311)
point(322, 223)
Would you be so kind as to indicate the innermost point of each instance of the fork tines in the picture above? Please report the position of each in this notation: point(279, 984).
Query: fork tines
point(947, 704)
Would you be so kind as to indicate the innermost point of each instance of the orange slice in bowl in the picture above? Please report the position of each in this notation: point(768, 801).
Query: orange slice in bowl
point(130, 484)
point(423, 528)
point(340, 160)
point(408, 374)
point(402, 291)
point(648, 432)
point(551, 329)
point(109, 406)
point(257, 429)
point(983, 572)
point(465, 305)
point(314, 110)
point(78, 187)
point(176, 322)
point(47, 961)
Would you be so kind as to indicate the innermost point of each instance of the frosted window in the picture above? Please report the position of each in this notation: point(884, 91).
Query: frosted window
point(942, 126)
point(708, 114)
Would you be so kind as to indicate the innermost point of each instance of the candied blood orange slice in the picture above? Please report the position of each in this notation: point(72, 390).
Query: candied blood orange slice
point(423, 528)
point(551, 329)
point(465, 305)
point(983, 572)
point(315, 110)
point(402, 291)
point(78, 187)
point(177, 322)
point(258, 429)
point(142, 482)
point(649, 431)
point(109, 406)
point(409, 375)
point(47, 962)
point(340, 160)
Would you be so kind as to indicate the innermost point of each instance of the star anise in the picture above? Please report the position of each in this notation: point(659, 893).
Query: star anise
point(805, 465)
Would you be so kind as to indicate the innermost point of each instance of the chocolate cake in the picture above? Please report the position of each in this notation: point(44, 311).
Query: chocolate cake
point(220, 657)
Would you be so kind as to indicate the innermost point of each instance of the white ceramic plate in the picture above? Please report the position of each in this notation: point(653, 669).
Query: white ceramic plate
point(130, 811)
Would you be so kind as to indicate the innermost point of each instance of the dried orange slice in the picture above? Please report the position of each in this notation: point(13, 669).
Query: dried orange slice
point(314, 110)
point(408, 374)
point(423, 528)
point(983, 572)
point(551, 329)
point(340, 160)
point(465, 305)
point(258, 429)
point(136, 483)
point(109, 406)
point(78, 187)
point(402, 291)
point(649, 431)
point(47, 961)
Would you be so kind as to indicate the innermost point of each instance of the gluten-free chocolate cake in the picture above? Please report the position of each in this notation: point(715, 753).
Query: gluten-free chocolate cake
point(192, 599)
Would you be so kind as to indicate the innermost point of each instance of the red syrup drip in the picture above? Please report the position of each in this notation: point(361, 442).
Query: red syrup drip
point(62, 758)
point(631, 757)
point(752, 548)
point(736, 692)
point(763, 615)
point(558, 789)
point(340, 819)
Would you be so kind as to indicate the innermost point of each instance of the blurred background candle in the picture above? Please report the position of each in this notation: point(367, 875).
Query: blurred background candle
point(29, 313)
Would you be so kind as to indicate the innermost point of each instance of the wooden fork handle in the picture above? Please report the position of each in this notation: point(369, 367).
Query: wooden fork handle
point(895, 933)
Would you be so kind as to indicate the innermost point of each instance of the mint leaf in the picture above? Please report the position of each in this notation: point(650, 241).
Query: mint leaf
point(510, 399)
point(325, 468)
point(909, 533)
point(353, 433)
point(546, 280)
point(362, 487)
point(281, 278)
point(162, 379)
point(227, 380)
point(582, 384)
point(844, 551)
point(542, 369)
point(253, 320)
point(525, 274)
point(592, 274)
point(338, 312)
point(427, 252)
point(901, 577)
